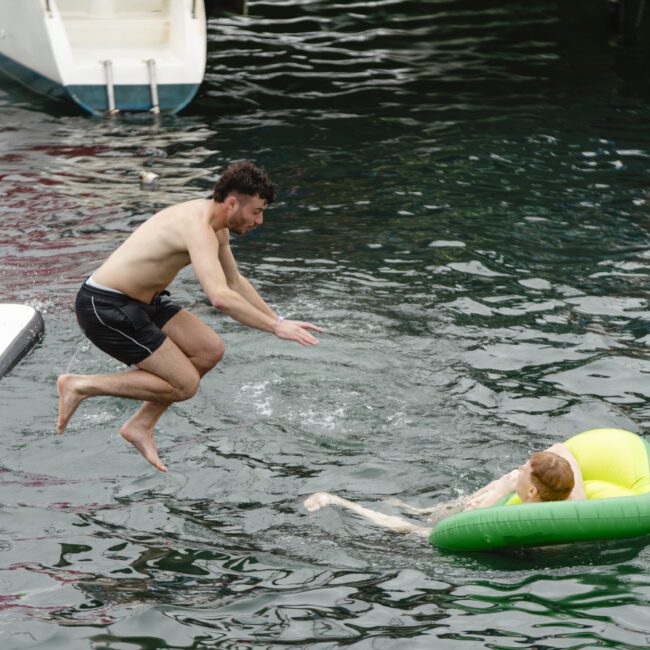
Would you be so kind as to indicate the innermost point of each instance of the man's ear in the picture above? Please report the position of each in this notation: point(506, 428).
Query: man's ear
point(232, 203)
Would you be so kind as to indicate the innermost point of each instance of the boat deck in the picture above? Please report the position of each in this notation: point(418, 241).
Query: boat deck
point(118, 30)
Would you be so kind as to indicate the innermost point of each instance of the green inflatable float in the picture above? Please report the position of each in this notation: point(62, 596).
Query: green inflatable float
point(615, 466)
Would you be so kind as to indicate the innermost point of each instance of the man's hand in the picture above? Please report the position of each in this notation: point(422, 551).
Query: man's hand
point(295, 330)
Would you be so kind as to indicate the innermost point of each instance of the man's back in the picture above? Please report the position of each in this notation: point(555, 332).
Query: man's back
point(156, 251)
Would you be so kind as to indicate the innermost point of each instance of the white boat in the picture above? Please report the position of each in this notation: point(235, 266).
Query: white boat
point(20, 327)
point(106, 55)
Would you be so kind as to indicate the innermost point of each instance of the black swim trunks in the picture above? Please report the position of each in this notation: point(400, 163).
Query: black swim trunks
point(125, 328)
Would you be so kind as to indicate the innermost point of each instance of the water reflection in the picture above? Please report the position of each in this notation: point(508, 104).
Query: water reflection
point(463, 205)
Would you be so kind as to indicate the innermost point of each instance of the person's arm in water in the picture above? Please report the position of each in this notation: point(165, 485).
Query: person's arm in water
point(321, 499)
point(493, 492)
point(398, 503)
point(247, 307)
point(487, 496)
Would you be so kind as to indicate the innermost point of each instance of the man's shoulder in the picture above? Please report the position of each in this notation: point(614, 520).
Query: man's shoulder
point(186, 210)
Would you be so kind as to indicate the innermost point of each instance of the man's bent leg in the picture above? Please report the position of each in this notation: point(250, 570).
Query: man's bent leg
point(142, 439)
point(165, 376)
point(200, 344)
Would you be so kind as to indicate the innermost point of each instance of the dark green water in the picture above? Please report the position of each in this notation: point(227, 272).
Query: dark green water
point(464, 207)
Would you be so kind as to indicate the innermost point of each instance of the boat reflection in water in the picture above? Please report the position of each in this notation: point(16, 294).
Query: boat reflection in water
point(106, 55)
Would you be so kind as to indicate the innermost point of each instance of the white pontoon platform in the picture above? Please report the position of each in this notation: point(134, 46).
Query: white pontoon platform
point(20, 328)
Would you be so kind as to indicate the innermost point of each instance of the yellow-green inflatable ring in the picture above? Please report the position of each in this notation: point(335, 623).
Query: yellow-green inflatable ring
point(615, 467)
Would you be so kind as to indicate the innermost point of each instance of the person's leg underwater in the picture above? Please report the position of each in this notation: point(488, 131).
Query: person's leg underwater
point(321, 499)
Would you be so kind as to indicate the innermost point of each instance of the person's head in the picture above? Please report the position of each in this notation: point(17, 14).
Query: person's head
point(245, 190)
point(545, 477)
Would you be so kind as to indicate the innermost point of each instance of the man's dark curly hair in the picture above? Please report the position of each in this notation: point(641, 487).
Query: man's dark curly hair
point(244, 177)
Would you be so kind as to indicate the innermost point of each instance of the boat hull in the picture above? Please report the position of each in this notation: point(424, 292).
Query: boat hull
point(67, 63)
point(172, 97)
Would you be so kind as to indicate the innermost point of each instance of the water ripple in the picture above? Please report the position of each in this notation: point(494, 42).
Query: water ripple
point(463, 205)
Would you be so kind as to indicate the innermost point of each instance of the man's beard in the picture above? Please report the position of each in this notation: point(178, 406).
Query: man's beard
point(242, 230)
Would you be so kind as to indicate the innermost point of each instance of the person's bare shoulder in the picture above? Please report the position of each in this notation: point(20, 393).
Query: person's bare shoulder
point(561, 450)
point(190, 219)
point(578, 492)
point(186, 211)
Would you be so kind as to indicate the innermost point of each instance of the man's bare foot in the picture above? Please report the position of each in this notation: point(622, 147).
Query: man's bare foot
point(70, 396)
point(143, 441)
point(317, 501)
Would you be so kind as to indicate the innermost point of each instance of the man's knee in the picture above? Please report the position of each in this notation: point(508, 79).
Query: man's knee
point(218, 351)
point(209, 357)
point(187, 387)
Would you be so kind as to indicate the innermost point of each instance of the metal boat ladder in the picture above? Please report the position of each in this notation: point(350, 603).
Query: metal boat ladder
point(110, 86)
point(153, 85)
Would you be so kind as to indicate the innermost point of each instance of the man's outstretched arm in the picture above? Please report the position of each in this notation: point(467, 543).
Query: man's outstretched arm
point(320, 499)
point(285, 328)
point(236, 281)
point(204, 249)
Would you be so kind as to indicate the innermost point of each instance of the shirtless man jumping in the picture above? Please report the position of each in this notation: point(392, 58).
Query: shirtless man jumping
point(124, 310)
